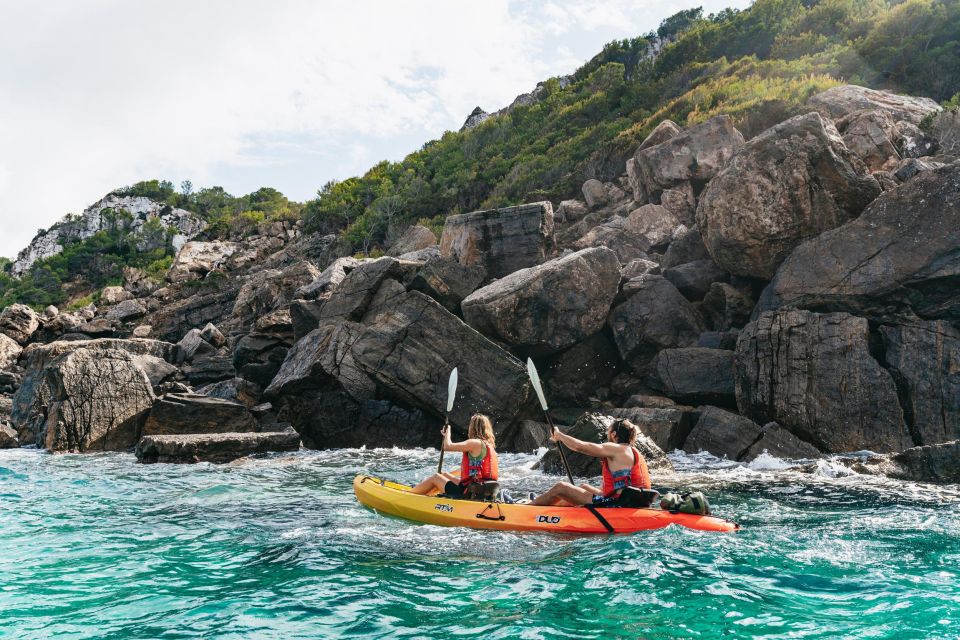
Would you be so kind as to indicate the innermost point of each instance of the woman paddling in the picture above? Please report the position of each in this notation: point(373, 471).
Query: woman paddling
point(622, 466)
point(479, 460)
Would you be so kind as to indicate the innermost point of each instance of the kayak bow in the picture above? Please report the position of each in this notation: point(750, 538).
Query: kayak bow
point(395, 499)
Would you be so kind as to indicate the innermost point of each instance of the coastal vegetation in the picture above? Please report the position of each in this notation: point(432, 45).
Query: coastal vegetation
point(757, 65)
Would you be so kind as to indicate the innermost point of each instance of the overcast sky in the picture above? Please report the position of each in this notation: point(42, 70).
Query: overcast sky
point(98, 94)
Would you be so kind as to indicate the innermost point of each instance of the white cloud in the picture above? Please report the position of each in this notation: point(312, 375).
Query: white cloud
point(101, 94)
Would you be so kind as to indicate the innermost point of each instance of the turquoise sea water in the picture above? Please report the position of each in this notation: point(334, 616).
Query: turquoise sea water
point(100, 547)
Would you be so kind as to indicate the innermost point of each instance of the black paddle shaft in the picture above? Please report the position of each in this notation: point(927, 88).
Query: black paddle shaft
point(563, 456)
point(443, 439)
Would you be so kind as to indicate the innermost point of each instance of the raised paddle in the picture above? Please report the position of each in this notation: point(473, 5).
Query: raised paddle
point(535, 379)
point(451, 394)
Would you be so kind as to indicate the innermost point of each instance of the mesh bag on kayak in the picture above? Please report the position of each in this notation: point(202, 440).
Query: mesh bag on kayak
point(694, 502)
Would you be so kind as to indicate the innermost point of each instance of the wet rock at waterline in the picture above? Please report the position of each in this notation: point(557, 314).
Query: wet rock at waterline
point(182, 413)
point(731, 436)
point(815, 375)
point(213, 447)
point(592, 427)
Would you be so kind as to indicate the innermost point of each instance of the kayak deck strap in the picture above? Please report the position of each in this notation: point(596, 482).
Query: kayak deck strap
point(606, 525)
point(482, 515)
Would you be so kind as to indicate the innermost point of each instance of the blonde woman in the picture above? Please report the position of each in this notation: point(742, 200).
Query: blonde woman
point(479, 462)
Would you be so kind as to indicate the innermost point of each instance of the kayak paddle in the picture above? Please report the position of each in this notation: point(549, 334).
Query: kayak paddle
point(535, 379)
point(451, 394)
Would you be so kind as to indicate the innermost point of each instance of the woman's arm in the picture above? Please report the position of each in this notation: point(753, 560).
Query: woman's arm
point(586, 448)
point(473, 445)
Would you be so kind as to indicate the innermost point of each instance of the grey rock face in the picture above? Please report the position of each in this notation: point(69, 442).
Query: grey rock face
point(20, 322)
point(840, 101)
point(697, 155)
point(352, 297)
point(9, 351)
point(238, 390)
point(726, 307)
point(126, 311)
point(924, 359)
point(726, 434)
point(574, 377)
point(871, 136)
point(328, 280)
point(686, 247)
point(655, 317)
point(269, 290)
point(694, 279)
point(448, 282)
point(113, 295)
point(793, 181)
point(86, 400)
point(532, 435)
point(182, 413)
point(667, 426)
point(898, 260)
point(547, 308)
point(695, 375)
point(197, 259)
point(385, 380)
point(213, 447)
point(8, 437)
point(814, 375)
point(95, 401)
point(415, 238)
point(931, 463)
point(592, 427)
point(946, 130)
point(500, 240)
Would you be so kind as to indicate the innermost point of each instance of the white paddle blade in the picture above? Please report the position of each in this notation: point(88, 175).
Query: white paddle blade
point(451, 389)
point(535, 379)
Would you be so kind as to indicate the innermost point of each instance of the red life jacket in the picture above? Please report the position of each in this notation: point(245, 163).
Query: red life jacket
point(473, 470)
point(636, 476)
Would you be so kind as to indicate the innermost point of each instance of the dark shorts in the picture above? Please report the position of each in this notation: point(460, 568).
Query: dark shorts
point(453, 490)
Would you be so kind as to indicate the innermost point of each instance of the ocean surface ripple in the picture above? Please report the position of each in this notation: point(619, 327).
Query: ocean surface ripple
point(96, 546)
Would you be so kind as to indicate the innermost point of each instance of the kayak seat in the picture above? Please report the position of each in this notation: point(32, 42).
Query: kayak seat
point(637, 498)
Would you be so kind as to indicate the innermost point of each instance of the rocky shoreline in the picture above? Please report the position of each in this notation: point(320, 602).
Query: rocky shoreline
point(796, 293)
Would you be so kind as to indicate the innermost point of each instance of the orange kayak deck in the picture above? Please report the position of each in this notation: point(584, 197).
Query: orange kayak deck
point(395, 499)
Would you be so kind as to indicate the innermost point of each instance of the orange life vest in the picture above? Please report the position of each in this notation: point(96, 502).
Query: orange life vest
point(636, 476)
point(479, 469)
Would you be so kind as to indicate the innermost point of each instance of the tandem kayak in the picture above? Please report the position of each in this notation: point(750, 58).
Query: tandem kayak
point(395, 499)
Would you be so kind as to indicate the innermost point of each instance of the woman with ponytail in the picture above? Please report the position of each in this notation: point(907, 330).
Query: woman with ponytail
point(479, 462)
point(621, 463)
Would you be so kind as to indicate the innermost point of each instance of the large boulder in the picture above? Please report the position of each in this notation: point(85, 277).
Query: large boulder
point(661, 133)
point(415, 238)
point(655, 317)
point(213, 447)
point(592, 427)
point(238, 390)
point(181, 413)
point(726, 307)
point(126, 311)
point(814, 374)
point(898, 260)
point(500, 240)
point(448, 282)
point(791, 182)
point(549, 307)
point(197, 259)
point(945, 128)
point(695, 375)
point(924, 358)
point(114, 295)
point(384, 381)
point(838, 102)
point(259, 355)
point(20, 322)
point(871, 136)
point(95, 401)
point(352, 297)
point(9, 351)
point(696, 155)
point(667, 426)
point(85, 400)
point(686, 247)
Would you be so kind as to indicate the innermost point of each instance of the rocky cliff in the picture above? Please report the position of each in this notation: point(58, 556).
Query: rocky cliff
point(794, 292)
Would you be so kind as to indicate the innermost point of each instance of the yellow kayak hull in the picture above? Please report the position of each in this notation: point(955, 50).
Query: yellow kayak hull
point(395, 499)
